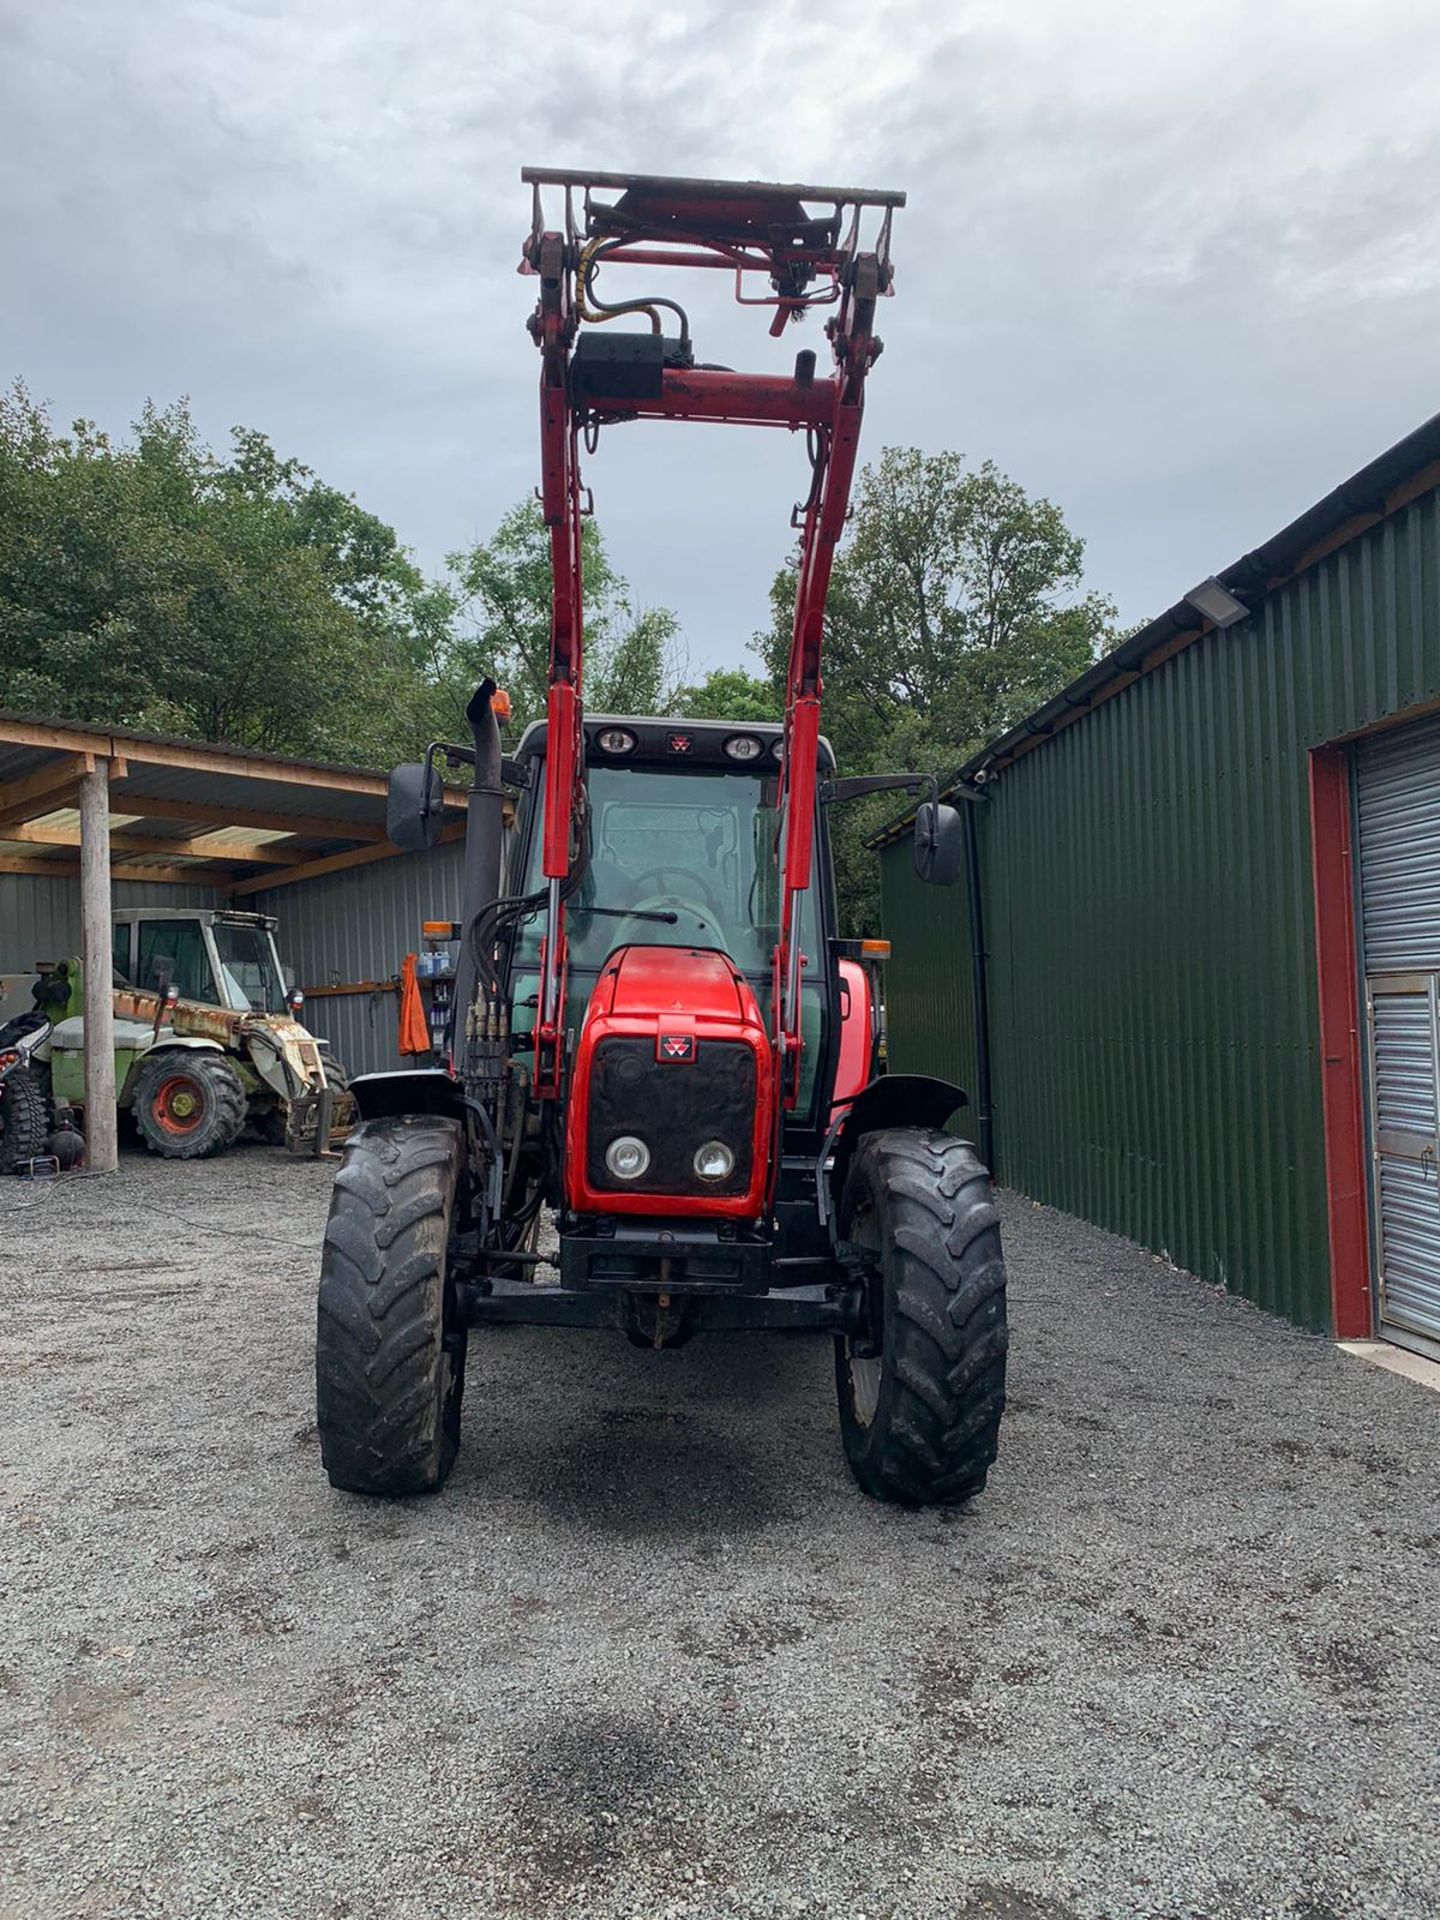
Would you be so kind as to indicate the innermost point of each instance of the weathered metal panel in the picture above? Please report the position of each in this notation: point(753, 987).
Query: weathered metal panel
point(1149, 912)
point(359, 925)
point(40, 914)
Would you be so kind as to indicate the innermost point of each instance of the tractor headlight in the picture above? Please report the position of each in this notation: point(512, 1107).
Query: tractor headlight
point(627, 1158)
point(714, 1161)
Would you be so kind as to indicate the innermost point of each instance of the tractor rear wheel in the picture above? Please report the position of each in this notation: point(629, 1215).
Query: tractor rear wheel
point(187, 1103)
point(921, 1396)
point(23, 1125)
point(389, 1353)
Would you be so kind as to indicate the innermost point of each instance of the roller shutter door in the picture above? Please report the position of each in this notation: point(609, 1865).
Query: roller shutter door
point(1398, 792)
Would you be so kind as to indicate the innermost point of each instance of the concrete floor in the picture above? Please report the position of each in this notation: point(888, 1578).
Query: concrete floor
point(1410, 1366)
point(651, 1652)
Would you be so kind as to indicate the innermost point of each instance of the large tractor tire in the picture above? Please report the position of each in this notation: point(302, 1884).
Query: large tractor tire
point(188, 1104)
point(389, 1355)
point(921, 1396)
point(23, 1121)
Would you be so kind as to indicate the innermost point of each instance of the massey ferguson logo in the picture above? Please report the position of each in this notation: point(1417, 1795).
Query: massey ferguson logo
point(677, 1047)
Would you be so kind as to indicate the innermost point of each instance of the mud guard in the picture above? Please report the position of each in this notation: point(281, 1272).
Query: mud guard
point(417, 1090)
point(379, 1096)
point(894, 1100)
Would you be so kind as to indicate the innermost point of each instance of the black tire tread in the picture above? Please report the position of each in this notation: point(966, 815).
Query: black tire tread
point(936, 1428)
point(225, 1095)
point(387, 1388)
point(23, 1119)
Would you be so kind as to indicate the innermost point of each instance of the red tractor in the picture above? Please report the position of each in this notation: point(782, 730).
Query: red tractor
point(657, 1033)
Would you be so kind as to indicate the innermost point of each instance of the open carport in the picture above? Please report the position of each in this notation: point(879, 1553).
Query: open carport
point(95, 818)
point(651, 1652)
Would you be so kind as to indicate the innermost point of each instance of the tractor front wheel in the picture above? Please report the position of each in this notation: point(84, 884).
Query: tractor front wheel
point(921, 1394)
point(188, 1104)
point(389, 1354)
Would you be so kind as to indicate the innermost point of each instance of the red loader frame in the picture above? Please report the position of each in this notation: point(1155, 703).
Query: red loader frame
point(806, 242)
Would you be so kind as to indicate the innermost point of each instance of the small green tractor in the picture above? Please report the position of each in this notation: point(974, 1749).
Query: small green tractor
point(206, 1042)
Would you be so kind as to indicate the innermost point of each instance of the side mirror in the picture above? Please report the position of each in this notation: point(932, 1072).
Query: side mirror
point(939, 844)
point(415, 808)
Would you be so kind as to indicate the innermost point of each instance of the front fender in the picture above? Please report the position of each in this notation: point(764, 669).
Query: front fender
point(894, 1100)
point(408, 1090)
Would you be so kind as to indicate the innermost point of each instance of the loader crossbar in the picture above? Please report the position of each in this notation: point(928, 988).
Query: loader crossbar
point(682, 186)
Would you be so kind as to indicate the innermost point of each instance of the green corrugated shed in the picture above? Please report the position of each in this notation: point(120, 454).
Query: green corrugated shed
point(1148, 900)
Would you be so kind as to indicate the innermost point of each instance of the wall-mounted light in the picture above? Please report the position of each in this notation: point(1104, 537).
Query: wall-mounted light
point(1217, 603)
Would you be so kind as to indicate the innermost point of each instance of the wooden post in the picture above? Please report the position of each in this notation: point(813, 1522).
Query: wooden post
point(101, 1155)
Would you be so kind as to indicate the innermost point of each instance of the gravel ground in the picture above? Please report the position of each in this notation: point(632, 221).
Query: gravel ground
point(651, 1653)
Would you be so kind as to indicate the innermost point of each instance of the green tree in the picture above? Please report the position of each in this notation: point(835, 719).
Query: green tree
point(955, 609)
point(151, 584)
point(502, 593)
point(729, 693)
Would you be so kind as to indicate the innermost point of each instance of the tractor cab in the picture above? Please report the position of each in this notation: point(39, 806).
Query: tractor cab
point(681, 823)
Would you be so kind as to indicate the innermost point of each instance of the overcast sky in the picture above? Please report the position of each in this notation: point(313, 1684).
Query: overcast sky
point(1174, 266)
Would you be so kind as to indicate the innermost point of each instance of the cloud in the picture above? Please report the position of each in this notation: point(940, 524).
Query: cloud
point(1173, 267)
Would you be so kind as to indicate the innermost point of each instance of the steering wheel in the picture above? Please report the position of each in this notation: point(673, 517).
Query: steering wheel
point(691, 880)
point(706, 925)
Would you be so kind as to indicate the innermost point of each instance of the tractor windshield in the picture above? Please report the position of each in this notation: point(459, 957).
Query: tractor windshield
point(250, 980)
point(678, 859)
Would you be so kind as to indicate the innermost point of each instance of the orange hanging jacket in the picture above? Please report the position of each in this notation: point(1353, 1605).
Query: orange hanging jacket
point(414, 1034)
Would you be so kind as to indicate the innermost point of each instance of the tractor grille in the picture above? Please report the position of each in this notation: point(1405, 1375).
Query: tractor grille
point(674, 1110)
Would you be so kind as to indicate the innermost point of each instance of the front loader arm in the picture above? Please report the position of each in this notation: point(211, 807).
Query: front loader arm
point(835, 446)
point(553, 326)
point(805, 241)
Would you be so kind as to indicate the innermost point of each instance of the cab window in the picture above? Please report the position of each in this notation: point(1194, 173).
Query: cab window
point(182, 944)
point(677, 859)
point(247, 969)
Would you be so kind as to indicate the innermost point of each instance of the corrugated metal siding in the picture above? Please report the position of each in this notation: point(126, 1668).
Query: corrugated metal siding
point(40, 916)
point(1411, 1269)
point(359, 925)
point(1402, 1041)
point(1398, 803)
point(1398, 789)
point(1149, 913)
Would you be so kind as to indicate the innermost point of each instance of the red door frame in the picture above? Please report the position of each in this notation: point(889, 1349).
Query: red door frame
point(1337, 964)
